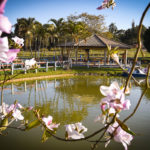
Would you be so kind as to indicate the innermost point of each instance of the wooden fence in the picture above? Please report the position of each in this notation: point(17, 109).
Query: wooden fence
point(55, 64)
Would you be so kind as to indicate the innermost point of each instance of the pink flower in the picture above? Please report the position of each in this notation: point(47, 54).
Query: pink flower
point(3, 110)
point(7, 55)
point(117, 104)
point(123, 137)
point(19, 41)
point(2, 6)
point(49, 124)
point(120, 135)
point(11, 110)
point(17, 115)
point(11, 55)
point(107, 4)
point(113, 90)
point(104, 5)
point(5, 25)
point(115, 98)
point(4, 45)
point(75, 131)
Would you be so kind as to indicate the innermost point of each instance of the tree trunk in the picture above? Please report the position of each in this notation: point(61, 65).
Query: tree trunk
point(30, 45)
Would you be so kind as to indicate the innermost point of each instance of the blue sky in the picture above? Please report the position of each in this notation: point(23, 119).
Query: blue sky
point(42, 10)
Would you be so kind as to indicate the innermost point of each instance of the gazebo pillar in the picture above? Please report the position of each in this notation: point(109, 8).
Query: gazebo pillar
point(62, 53)
point(105, 57)
point(88, 55)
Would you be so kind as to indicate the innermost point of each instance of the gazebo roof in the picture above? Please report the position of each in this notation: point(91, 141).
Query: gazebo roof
point(96, 41)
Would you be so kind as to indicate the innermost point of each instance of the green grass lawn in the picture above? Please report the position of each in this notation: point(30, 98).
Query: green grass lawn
point(93, 53)
point(74, 70)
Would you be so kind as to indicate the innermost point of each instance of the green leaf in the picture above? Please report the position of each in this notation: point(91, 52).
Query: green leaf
point(108, 47)
point(33, 124)
point(45, 136)
point(3, 124)
point(124, 127)
point(81, 131)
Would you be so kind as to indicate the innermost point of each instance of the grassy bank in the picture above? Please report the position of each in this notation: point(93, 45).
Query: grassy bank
point(74, 71)
point(93, 53)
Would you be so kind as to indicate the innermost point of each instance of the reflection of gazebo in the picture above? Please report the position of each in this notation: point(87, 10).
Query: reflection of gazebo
point(97, 42)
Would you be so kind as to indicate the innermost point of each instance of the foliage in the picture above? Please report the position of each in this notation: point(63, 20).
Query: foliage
point(130, 35)
point(146, 38)
point(95, 23)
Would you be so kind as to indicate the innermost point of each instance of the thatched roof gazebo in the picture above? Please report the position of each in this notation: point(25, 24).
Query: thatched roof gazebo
point(97, 42)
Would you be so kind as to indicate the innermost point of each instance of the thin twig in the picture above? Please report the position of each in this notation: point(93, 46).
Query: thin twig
point(128, 73)
point(139, 101)
point(12, 127)
point(139, 46)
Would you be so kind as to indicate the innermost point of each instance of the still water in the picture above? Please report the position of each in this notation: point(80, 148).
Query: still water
point(69, 101)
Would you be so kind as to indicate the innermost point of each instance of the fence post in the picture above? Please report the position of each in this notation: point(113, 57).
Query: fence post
point(36, 71)
point(70, 62)
point(46, 66)
point(12, 68)
point(88, 64)
point(55, 65)
point(99, 64)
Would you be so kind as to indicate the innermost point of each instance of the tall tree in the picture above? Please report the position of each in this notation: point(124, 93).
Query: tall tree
point(146, 39)
point(59, 26)
point(95, 23)
point(113, 28)
point(24, 29)
point(130, 35)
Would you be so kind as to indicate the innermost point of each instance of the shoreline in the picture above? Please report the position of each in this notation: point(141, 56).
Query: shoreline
point(64, 73)
point(40, 77)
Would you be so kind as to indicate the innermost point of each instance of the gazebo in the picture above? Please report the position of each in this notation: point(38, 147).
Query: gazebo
point(97, 42)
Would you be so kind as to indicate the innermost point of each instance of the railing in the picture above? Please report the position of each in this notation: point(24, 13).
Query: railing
point(55, 64)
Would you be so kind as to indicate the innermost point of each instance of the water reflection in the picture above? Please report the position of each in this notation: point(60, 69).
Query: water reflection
point(68, 101)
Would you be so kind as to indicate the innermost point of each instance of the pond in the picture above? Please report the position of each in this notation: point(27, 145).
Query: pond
point(69, 101)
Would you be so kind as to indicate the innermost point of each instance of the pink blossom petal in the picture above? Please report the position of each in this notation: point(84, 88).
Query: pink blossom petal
point(19, 41)
point(4, 44)
point(75, 131)
point(2, 6)
point(5, 25)
point(111, 90)
point(125, 146)
point(3, 57)
point(126, 105)
point(106, 144)
point(11, 55)
point(49, 124)
point(100, 8)
point(17, 115)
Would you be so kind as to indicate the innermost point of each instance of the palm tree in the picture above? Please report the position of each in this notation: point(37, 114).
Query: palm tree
point(24, 28)
point(58, 31)
point(58, 26)
point(48, 34)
